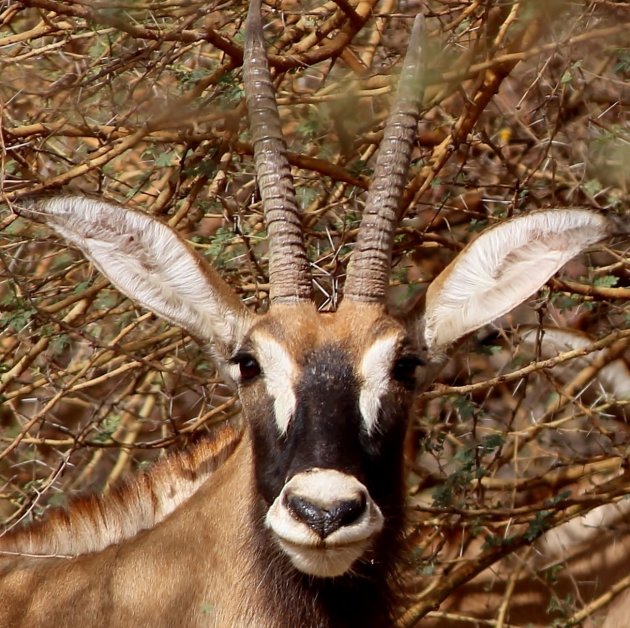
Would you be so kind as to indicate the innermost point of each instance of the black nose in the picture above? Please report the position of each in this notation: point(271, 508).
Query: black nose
point(324, 520)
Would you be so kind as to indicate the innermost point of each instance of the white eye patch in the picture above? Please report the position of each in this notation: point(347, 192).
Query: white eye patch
point(375, 371)
point(279, 374)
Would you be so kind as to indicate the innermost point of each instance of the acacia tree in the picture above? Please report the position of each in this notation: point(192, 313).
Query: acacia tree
point(142, 103)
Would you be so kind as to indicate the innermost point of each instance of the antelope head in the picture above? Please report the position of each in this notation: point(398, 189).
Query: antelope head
point(326, 396)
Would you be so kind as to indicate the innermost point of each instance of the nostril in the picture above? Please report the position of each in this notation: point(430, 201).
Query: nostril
point(303, 510)
point(326, 520)
point(348, 511)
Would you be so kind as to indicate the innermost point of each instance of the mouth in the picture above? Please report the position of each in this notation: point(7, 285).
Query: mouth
point(322, 559)
point(324, 521)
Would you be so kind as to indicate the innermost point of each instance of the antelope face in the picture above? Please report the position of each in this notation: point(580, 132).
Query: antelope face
point(327, 397)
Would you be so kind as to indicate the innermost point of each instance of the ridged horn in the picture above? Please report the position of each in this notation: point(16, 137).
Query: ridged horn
point(289, 273)
point(369, 269)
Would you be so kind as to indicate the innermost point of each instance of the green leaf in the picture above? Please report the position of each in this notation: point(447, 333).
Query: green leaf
point(18, 319)
point(107, 427)
point(622, 65)
point(538, 525)
point(163, 160)
point(490, 443)
point(59, 344)
point(592, 187)
point(606, 281)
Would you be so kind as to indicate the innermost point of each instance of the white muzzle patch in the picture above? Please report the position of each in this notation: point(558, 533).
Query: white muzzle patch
point(323, 491)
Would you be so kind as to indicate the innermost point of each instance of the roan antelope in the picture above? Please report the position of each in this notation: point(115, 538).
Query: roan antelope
point(296, 518)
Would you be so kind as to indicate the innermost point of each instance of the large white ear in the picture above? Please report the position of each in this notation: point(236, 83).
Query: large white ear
point(504, 266)
point(148, 262)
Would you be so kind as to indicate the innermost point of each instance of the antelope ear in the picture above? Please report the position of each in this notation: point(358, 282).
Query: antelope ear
point(150, 263)
point(504, 266)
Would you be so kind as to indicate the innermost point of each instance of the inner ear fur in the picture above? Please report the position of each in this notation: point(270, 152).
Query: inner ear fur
point(150, 263)
point(500, 269)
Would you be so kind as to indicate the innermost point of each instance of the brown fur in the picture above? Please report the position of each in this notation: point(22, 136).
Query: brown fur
point(122, 560)
point(139, 556)
point(159, 577)
point(199, 566)
point(93, 523)
point(196, 567)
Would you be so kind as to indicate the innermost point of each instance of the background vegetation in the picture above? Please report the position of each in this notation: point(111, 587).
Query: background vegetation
point(141, 102)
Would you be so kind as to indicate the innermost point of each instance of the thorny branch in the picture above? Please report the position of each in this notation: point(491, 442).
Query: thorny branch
point(142, 103)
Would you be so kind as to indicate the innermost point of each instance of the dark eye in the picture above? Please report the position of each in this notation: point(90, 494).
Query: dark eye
point(248, 366)
point(404, 369)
